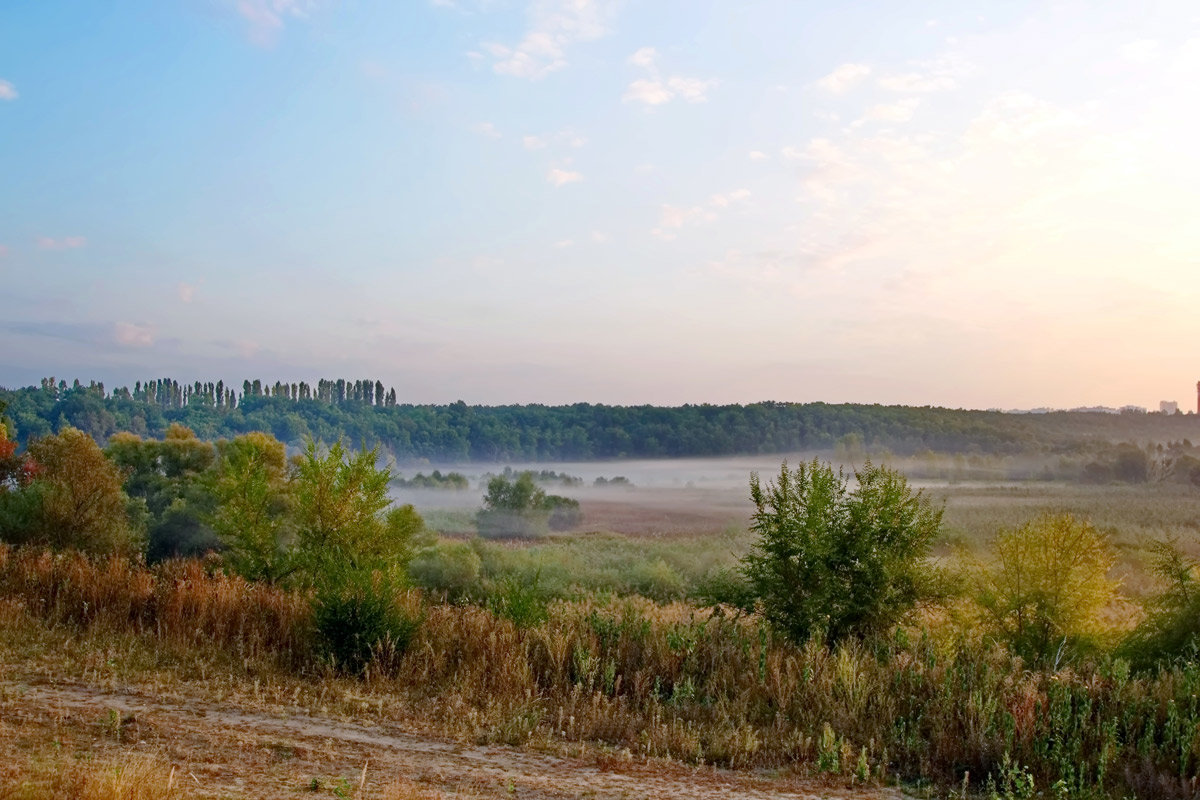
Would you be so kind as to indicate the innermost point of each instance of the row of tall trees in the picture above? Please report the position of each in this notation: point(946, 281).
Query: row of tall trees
point(365, 411)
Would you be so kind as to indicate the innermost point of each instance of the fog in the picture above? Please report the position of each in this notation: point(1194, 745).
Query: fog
point(665, 496)
point(675, 497)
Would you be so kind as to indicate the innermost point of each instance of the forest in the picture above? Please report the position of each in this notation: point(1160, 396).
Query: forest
point(366, 413)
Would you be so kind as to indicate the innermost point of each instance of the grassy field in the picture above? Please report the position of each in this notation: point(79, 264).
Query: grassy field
point(686, 533)
point(578, 665)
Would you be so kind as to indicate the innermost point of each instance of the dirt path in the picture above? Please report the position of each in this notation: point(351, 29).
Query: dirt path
point(224, 751)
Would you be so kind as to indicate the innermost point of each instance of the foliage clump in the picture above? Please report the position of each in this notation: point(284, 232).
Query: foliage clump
point(519, 508)
point(838, 560)
point(68, 494)
point(1171, 630)
point(1047, 586)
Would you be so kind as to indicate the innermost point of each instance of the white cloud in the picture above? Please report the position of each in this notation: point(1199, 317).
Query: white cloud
point(564, 243)
point(561, 177)
point(562, 138)
point(645, 58)
point(792, 153)
point(1141, 51)
point(187, 292)
point(65, 243)
point(674, 218)
point(487, 129)
point(726, 200)
point(650, 92)
point(599, 237)
point(900, 111)
point(656, 89)
point(8, 91)
point(758, 155)
point(267, 17)
point(132, 334)
point(844, 78)
point(916, 82)
point(933, 75)
point(554, 25)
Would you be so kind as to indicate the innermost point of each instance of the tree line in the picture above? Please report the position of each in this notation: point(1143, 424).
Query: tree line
point(365, 411)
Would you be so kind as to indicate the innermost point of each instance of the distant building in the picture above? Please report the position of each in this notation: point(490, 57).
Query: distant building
point(1168, 407)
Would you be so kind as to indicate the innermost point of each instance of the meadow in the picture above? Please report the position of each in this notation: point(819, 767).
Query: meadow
point(623, 643)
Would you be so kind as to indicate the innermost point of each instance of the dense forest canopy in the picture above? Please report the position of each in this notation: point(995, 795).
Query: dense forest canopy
point(366, 412)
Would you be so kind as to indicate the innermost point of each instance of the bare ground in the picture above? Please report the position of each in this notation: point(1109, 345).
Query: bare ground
point(222, 750)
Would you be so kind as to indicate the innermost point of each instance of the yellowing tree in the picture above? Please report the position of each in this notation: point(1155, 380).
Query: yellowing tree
point(1047, 585)
point(74, 499)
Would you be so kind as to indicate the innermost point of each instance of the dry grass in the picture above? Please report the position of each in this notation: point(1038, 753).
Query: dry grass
point(132, 778)
point(657, 681)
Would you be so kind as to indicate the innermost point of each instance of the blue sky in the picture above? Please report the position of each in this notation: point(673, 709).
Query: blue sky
point(964, 204)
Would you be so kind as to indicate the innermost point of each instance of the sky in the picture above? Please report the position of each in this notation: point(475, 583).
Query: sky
point(964, 204)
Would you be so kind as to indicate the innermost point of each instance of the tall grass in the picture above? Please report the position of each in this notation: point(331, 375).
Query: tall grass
point(672, 681)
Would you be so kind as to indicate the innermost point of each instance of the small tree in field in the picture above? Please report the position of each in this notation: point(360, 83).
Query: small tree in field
point(835, 559)
point(1047, 585)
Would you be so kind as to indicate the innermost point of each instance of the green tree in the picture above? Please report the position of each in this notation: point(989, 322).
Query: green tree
point(71, 498)
point(252, 506)
point(1047, 585)
point(167, 476)
point(340, 503)
point(835, 560)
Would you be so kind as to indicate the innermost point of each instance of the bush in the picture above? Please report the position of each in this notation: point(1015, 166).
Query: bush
point(451, 568)
point(71, 497)
point(519, 508)
point(657, 580)
point(564, 513)
point(521, 602)
point(356, 617)
point(1047, 586)
point(1171, 629)
point(837, 561)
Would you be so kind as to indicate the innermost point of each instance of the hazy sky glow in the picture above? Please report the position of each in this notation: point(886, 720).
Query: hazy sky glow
point(640, 201)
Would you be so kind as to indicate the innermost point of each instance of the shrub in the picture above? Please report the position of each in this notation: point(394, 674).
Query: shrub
point(657, 580)
point(1171, 629)
point(451, 568)
point(71, 498)
point(356, 616)
point(564, 513)
point(838, 561)
point(1047, 585)
point(521, 602)
point(519, 508)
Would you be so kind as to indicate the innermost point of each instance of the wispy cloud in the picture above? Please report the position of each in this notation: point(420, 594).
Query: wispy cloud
point(8, 91)
point(187, 292)
point(900, 111)
point(65, 243)
point(561, 177)
point(757, 155)
point(844, 78)
point(933, 75)
point(657, 89)
point(132, 334)
point(267, 17)
point(554, 25)
point(726, 200)
point(562, 138)
point(488, 129)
